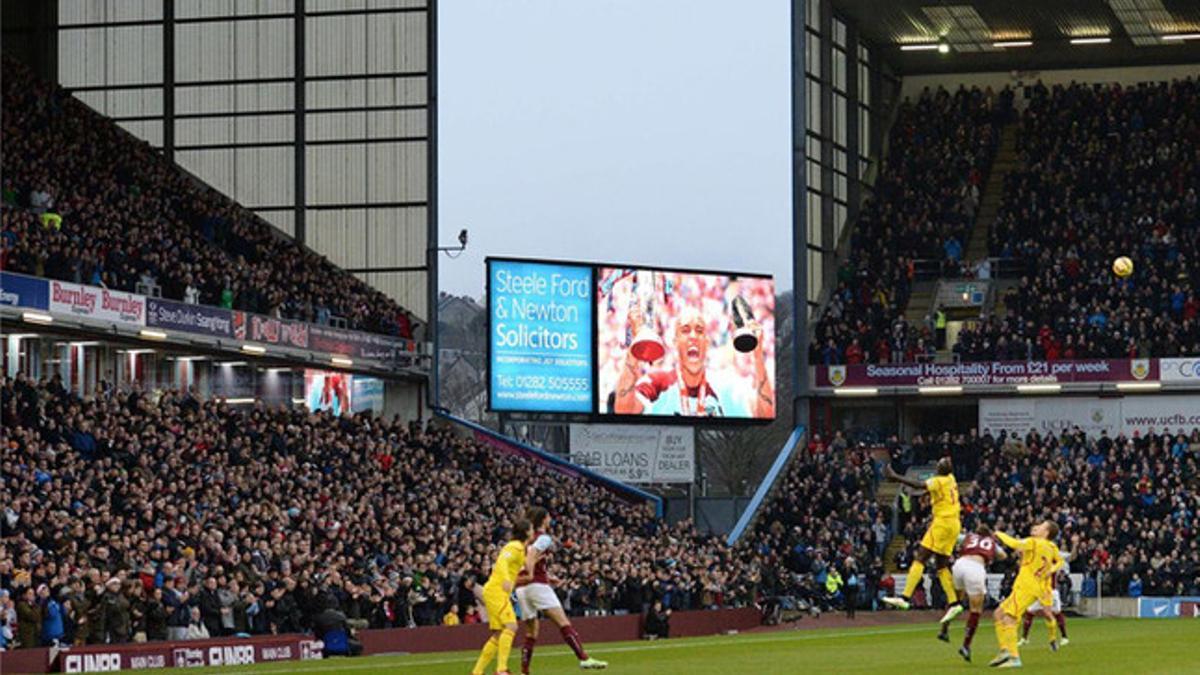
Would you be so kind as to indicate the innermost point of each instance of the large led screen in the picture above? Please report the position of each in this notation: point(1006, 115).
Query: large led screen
point(540, 337)
point(685, 344)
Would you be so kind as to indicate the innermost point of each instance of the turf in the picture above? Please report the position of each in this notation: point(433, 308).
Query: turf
point(1110, 646)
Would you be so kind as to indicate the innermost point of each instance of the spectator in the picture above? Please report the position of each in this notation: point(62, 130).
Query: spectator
point(29, 619)
point(658, 622)
point(451, 617)
point(196, 630)
point(52, 617)
point(116, 212)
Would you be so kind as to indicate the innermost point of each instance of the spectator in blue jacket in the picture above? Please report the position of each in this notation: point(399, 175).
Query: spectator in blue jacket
point(52, 617)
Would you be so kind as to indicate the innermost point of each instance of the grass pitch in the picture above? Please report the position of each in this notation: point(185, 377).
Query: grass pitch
point(1109, 646)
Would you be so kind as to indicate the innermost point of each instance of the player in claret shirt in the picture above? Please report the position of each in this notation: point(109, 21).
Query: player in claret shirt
point(536, 594)
point(975, 553)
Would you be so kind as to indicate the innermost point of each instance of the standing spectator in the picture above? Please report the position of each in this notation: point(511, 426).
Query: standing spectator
point(176, 604)
point(52, 617)
point(154, 614)
point(851, 588)
point(117, 615)
point(29, 620)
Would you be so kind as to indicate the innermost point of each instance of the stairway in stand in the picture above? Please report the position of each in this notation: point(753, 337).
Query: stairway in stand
point(1005, 161)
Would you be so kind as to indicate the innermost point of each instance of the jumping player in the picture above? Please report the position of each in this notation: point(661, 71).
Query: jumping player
point(975, 553)
point(1054, 615)
point(939, 540)
point(536, 594)
point(1040, 560)
point(497, 597)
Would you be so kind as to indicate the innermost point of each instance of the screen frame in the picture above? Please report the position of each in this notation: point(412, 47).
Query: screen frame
point(595, 416)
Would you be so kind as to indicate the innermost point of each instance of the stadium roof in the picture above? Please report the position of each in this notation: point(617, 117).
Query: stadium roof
point(1138, 32)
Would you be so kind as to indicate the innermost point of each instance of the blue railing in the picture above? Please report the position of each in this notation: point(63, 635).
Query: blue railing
point(570, 467)
point(764, 488)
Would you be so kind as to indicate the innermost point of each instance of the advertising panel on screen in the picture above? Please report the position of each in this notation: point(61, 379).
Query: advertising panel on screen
point(540, 336)
point(685, 344)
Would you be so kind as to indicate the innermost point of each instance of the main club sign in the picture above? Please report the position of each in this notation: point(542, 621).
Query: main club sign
point(987, 373)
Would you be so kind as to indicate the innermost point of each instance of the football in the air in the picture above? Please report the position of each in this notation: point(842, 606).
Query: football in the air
point(1123, 266)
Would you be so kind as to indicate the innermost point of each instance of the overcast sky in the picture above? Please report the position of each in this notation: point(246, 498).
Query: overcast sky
point(637, 131)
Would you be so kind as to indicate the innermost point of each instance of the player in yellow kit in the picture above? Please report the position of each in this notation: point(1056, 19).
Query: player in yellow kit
point(1040, 560)
point(497, 597)
point(939, 540)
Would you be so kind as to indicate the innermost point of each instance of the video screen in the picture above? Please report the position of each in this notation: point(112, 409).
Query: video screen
point(685, 344)
point(328, 390)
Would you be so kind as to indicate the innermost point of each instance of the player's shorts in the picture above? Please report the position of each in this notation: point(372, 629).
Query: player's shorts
point(941, 536)
point(1055, 607)
point(534, 598)
point(499, 608)
point(1022, 598)
point(970, 575)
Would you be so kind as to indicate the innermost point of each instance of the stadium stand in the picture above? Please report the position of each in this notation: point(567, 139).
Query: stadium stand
point(823, 521)
point(1105, 171)
point(924, 203)
point(87, 202)
point(133, 510)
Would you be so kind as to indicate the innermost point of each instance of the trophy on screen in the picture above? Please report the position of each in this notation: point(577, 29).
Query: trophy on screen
point(745, 338)
point(646, 345)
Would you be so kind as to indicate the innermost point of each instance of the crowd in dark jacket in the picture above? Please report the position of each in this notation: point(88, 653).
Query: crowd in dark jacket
point(1105, 171)
point(139, 513)
point(922, 208)
point(86, 202)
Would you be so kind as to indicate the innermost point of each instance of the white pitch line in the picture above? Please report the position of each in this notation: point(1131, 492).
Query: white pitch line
point(560, 651)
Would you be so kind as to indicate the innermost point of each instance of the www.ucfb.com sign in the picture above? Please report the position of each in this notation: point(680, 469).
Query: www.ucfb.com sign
point(986, 373)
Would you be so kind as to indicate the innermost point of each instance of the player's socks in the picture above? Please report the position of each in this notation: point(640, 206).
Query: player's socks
point(571, 637)
point(485, 656)
point(1052, 628)
point(1006, 635)
point(504, 649)
point(1062, 626)
point(1010, 631)
point(969, 634)
point(947, 579)
point(527, 653)
point(914, 577)
point(1026, 622)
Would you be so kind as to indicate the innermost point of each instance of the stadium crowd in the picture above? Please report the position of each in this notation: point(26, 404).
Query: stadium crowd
point(84, 201)
point(135, 515)
point(923, 207)
point(823, 533)
point(1128, 507)
point(1105, 171)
